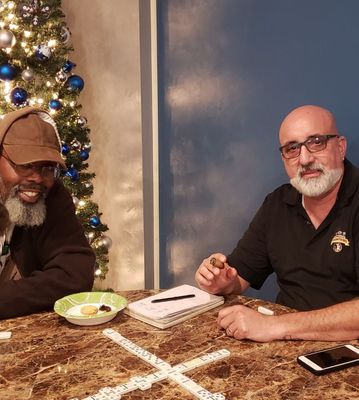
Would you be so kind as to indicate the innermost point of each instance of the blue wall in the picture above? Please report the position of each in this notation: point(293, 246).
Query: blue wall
point(229, 71)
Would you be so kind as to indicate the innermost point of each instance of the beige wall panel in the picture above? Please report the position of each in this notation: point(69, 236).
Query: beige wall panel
point(105, 36)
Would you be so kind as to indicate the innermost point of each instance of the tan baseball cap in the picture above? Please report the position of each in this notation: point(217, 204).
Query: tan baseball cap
point(27, 137)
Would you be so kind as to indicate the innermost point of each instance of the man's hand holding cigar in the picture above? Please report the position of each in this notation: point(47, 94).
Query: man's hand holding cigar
point(215, 276)
point(216, 263)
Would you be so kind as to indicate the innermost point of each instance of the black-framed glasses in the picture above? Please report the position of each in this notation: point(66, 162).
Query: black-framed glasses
point(25, 170)
point(313, 144)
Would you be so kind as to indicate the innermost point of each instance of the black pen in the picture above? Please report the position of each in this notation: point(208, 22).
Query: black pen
point(185, 296)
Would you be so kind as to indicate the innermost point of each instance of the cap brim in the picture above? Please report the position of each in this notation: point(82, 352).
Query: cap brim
point(30, 154)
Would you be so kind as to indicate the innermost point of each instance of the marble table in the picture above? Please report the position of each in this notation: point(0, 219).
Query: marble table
point(47, 358)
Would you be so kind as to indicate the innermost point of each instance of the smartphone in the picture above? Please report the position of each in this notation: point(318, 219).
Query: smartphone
point(332, 359)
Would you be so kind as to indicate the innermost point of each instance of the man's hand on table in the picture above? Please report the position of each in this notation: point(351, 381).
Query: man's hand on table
point(242, 322)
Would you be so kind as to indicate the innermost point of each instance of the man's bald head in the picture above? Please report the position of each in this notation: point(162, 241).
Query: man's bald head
point(308, 119)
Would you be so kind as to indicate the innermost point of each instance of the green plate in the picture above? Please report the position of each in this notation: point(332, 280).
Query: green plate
point(70, 307)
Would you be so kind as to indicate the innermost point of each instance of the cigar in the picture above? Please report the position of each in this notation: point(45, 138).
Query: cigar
point(216, 263)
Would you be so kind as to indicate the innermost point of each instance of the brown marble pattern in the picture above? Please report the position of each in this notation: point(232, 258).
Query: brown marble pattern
point(47, 358)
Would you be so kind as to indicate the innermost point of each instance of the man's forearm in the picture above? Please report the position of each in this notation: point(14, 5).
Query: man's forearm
point(338, 322)
point(238, 286)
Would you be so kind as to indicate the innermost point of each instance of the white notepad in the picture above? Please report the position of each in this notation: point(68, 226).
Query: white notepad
point(169, 313)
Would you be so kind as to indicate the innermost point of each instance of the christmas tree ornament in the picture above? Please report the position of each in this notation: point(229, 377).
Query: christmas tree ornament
point(87, 147)
point(61, 77)
point(65, 35)
point(95, 221)
point(75, 145)
point(104, 242)
point(33, 12)
point(28, 74)
point(43, 52)
point(73, 174)
point(75, 200)
point(68, 66)
point(7, 39)
point(55, 104)
point(90, 236)
point(84, 155)
point(75, 83)
point(7, 72)
point(65, 149)
point(81, 122)
point(18, 96)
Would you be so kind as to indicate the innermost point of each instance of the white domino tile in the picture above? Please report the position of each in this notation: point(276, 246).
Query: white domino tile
point(164, 371)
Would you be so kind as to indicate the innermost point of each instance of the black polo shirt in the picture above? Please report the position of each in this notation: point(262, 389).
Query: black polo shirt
point(315, 267)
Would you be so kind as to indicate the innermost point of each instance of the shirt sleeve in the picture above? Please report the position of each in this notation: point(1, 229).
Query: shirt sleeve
point(54, 259)
point(250, 256)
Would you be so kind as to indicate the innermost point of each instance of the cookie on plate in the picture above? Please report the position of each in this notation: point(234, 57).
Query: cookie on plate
point(89, 310)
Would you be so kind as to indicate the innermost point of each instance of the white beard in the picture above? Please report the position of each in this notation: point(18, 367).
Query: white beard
point(23, 214)
point(314, 187)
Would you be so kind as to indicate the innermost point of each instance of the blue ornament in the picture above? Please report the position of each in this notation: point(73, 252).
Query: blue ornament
point(84, 155)
point(42, 52)
point(73, 174)
point(7, 72)
point(55, 104)
point(18, 96)
point(95, 221)
point(75, 83)
point(68, 66)
point(65, 149)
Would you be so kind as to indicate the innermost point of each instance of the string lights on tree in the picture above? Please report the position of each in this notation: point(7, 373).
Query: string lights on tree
point(35, 70)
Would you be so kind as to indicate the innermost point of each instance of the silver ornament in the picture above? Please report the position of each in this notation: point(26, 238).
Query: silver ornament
point(81, 121)
point(28, 74)
point(87, 147)
point(106, 242)
point(90, 236)
point(7, 39)
point(75, 145)
point(65, 35)
point(61, 77)
point(75, 200)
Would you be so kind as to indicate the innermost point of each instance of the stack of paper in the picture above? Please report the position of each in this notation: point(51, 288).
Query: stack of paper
point(175, 310)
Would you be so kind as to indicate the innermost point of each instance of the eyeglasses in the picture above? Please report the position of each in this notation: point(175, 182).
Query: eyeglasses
point(312, 144)
point(25, 170)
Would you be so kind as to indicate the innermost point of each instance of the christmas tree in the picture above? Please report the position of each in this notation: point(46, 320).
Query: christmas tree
point(35, 70)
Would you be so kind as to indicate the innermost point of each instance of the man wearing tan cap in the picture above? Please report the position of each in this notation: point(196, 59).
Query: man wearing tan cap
point(45, 254)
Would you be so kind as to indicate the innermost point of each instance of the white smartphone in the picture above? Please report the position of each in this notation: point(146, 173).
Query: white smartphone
point(332, 359)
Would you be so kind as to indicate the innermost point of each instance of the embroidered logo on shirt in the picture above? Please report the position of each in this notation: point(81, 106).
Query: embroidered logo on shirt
point(338, 241)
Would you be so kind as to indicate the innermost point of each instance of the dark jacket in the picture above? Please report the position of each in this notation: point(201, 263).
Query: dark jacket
point(54, 259)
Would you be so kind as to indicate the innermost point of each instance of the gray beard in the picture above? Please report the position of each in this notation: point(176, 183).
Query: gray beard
point(22, 214)
point(314, 187)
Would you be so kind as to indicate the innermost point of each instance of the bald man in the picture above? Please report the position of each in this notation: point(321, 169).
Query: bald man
point(307, 232)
